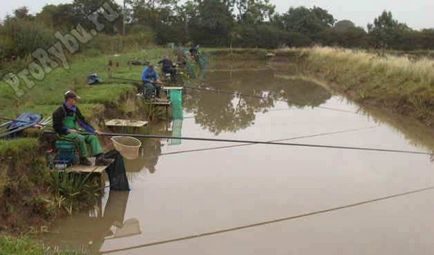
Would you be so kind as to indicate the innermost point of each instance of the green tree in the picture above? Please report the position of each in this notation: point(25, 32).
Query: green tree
point(344, 34)
point(213, 23)
point(253, 11)
point(59, 17)
point(386, 31)
point(82, 8)
point(306, 21)
point(343, 25)
point(22, 13)
point(21, 37)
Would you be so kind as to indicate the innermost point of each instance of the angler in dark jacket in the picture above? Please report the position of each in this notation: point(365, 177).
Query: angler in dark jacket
point(168, 66)
point(69, 124)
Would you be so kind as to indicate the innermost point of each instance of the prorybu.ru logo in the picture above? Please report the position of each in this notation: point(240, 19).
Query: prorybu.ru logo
point(54, 57)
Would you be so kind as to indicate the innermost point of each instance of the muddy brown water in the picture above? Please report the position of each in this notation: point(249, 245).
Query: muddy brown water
point(182, 189)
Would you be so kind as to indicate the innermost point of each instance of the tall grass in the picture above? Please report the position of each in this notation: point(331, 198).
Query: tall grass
point(399, 84)
point(418, 70)
point(73, 190)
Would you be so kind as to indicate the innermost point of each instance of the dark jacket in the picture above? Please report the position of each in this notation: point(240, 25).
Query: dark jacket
point(167, 64)
point(59, 116)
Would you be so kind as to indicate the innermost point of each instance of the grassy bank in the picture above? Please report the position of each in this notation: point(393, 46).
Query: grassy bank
point(396, 84)
point(51, 89)
point(30, 196)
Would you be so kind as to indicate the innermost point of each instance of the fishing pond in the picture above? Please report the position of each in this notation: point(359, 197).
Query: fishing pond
point(208, 197)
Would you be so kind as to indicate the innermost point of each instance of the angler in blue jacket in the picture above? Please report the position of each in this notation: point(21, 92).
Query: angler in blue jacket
point(151, 82)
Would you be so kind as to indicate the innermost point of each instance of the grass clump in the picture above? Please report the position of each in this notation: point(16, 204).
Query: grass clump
point(26, 246)
point(71, 189)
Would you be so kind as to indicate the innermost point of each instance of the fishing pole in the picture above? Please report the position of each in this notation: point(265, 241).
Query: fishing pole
point(267, 143)
point(43, 122)
point(277, 140)
point(248, 144)
point(15, 120)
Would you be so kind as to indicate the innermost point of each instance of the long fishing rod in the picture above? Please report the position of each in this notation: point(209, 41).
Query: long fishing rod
point(208, 89)
point(267, 143)
point(43, 122)
point(277, 140)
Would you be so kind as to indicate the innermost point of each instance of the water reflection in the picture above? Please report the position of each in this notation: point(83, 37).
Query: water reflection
point(218, 110)
point(151, 151)
point(88, 232)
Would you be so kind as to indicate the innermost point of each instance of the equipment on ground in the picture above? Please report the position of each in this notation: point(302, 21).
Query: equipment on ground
point(14, 127)
point(94, 79)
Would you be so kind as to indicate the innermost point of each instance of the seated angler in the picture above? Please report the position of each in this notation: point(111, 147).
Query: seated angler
point(70, 125)
point(168, 67)
point(151, 82)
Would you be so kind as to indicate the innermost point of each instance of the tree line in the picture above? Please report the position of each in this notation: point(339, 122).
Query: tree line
point(213, 23)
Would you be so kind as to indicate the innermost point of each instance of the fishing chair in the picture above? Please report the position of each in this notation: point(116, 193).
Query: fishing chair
point(67, 151)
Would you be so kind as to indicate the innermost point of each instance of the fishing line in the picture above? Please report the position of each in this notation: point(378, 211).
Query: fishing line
point(274, 221)
point(279, 140)
point(270, 143)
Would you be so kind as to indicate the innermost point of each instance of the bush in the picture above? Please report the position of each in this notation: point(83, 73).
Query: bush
point(296, 39)
point(262, 36)
point(22, 37)
point(106, 44)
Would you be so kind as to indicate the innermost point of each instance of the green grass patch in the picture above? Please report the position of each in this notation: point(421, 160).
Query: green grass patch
point(26, 246)
point(104, 94)
point(51, 89)
point(47, 110)
point(14, 147)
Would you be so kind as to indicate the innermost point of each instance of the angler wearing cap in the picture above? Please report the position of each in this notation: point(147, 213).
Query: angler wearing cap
point(69, 124)
point(151, 82)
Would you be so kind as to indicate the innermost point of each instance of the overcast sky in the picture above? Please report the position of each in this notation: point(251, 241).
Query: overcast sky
point(416, 13)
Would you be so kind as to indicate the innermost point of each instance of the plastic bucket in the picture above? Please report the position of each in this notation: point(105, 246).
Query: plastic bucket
point(127, 146)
